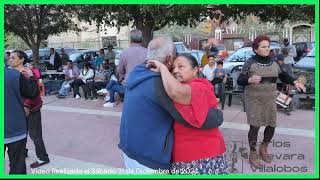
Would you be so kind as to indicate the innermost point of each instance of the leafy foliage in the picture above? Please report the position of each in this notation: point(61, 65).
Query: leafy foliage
point(12, 41)
point(35, 23)
point(277, 13)
point(122, 15)
point(150, 18)
point(147, 18)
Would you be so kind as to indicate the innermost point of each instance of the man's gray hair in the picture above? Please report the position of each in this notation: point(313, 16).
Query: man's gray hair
point(136, 36)
point(159, 48)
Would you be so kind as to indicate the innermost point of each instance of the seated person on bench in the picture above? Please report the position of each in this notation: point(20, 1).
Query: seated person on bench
point(114, 86)
point(85, 77)
point(100, 81)
point(71, 73)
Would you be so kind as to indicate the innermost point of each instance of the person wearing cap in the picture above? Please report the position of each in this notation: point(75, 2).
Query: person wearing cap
point(281, 61)
point(292, 53)
point(214, 50)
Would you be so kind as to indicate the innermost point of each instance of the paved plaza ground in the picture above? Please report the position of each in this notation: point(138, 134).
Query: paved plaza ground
point(82, 137)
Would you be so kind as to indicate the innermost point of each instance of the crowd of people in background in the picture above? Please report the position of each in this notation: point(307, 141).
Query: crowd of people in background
point(112, 79)
point(156, 82)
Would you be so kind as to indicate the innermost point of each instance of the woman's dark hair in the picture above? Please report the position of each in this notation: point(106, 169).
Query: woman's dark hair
point(105, 66)
point(192, 60)
point(219, 63)
point(87, 57)
point(212, 56)
point(258, 39)
point(87, 65)
point(21, 55)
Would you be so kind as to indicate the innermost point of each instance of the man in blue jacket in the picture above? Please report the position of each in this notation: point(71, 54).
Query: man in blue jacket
point(146, 132)
point(17, 86)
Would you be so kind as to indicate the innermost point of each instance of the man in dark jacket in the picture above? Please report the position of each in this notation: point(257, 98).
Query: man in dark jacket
point(64, 57)
point(55, 60)
point(146, 132)
point(17, 86)
point(214, 50)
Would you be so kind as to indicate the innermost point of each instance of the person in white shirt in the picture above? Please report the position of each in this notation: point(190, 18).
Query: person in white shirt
point(55, 60)
point(51, 61)
point(209, 68)
point(287, 58)
point(292, 52)
point(71, 73)
point(86, 75)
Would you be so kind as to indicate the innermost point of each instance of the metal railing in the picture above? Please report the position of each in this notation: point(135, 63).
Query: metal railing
point(121, 44)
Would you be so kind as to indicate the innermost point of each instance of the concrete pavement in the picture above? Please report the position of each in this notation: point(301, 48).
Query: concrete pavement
point(81, 137)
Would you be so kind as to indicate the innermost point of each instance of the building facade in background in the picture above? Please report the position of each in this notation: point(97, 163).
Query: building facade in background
point(91, 37)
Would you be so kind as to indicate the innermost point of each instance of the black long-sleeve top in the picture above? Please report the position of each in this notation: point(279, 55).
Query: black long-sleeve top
point(244, 75)
point(28, 87)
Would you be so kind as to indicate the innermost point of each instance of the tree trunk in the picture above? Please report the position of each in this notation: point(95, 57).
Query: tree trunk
point(146, 25)
point(35, 54)
point(147, 33)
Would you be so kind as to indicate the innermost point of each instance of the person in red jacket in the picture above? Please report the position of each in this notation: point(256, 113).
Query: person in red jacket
point(36, 72)
point(195, 151)
point(33, 112)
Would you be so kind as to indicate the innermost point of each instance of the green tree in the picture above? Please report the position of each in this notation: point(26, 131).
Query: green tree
point(12, 41)
point(35, 23)
point(276, 13)
point(150, 18)
point(147, 18)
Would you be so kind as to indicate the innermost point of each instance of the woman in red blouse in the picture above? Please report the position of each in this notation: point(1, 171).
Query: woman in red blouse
point(195, 151)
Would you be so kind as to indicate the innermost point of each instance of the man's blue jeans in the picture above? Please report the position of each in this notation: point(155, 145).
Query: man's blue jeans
point(113, 87)
point(65, 91)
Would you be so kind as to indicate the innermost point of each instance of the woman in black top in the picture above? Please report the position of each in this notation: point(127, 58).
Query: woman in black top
point(259, 75)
